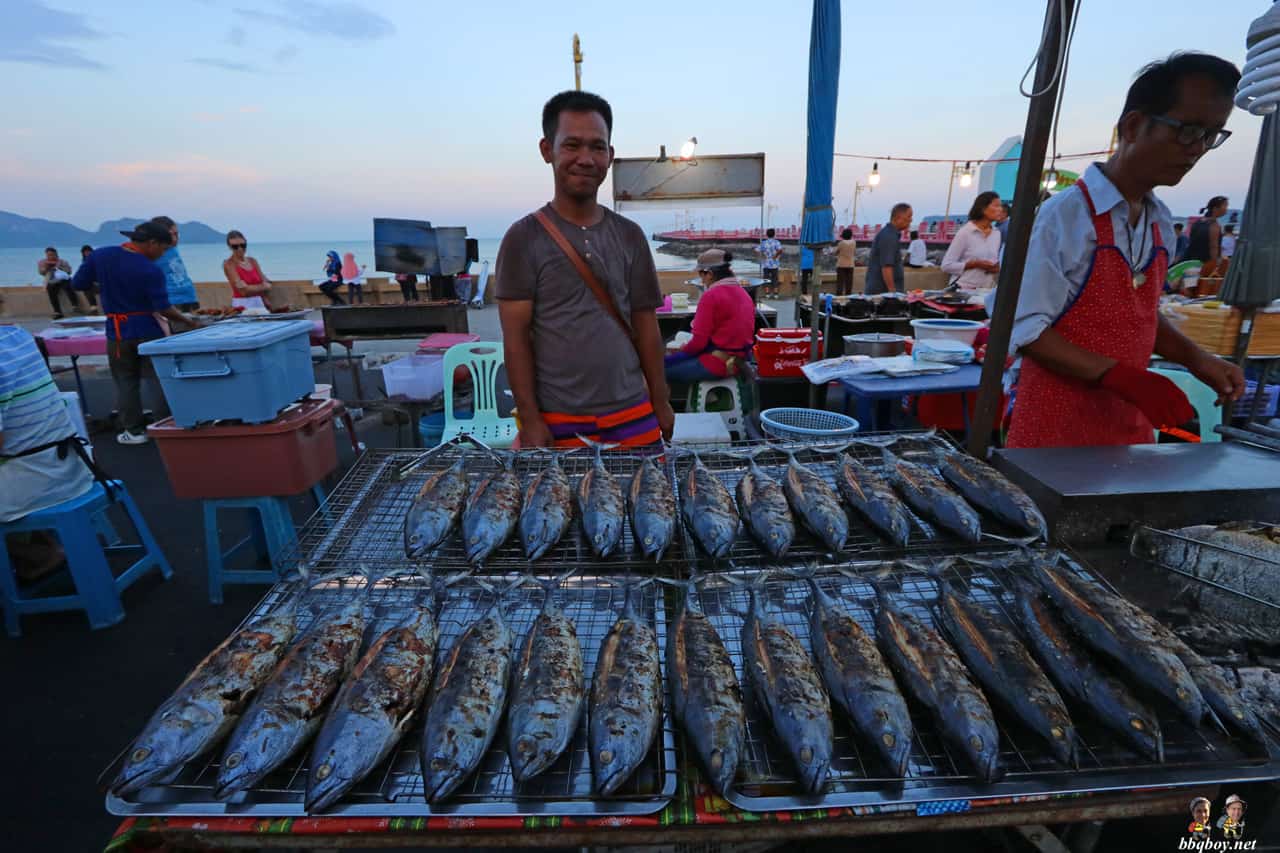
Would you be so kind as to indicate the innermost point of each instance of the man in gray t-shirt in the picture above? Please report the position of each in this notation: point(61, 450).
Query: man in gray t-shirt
point(573, 368)
point(884, 264)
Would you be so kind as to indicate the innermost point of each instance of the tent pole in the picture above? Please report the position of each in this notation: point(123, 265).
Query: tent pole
point(1035, 142)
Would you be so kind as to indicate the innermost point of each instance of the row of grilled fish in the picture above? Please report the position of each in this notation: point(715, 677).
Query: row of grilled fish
point(1068, 648)
point(769, 508)
point(542, 512)
point(273, 696)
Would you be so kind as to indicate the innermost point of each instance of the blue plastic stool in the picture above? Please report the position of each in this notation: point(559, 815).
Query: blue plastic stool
point(272, 535)
point(77, 525)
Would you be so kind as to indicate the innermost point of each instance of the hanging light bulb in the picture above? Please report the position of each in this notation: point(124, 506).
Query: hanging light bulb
point(1051, 179)
point(966, 177)
point(1259, 88)
point(687, 149)
point(874, 177)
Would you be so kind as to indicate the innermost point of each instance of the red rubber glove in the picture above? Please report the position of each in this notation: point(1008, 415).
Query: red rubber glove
point(1160, 400)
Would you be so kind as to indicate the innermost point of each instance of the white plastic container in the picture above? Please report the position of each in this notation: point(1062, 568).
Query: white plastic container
point(963, 331)
point(418, 377)
point(942, 350)
point(324, 391)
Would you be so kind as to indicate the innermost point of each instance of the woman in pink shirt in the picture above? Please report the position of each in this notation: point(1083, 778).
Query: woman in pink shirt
point(724, 326)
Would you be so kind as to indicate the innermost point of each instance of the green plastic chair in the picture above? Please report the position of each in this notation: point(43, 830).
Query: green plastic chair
point(484, 359)
point(1177, 271)
point(1202, 399)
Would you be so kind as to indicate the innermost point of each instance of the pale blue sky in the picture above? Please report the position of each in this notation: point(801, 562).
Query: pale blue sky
point(303, 119)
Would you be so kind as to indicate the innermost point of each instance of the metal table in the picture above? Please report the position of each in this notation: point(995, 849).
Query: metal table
point(1085, 492)
point(876, 387)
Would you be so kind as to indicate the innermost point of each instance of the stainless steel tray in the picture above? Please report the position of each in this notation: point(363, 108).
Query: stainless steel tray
point(395, 788)
point(765, 781)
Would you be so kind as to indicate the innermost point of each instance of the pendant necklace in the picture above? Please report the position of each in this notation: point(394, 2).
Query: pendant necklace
point(1135, 261)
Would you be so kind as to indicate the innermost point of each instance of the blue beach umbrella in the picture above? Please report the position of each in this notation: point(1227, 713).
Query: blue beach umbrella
point(1253, 279)
point(824, 83)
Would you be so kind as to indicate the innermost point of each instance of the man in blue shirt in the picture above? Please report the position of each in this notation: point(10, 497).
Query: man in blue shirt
point(806, 268)
point(182, 290)
point(133, 292)
point(884, 264)
point(770, 252)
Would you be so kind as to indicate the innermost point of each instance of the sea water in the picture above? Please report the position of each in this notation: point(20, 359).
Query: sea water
point(280, 261)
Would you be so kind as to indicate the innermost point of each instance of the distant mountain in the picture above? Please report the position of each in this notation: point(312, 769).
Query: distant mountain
point(22, 232)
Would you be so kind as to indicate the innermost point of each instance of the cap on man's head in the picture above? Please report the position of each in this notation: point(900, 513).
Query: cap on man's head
point(712, 258)
point(145, 232)
point(1235, 798)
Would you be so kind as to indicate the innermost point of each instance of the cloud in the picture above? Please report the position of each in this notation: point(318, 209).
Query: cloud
point(251, 108)
point(186, 171)
point(227, 65)
point(286, 53)
point(340, 20)
point(36, 35)
point(236, 36)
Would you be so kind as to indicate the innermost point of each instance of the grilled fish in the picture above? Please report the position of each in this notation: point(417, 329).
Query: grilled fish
point(788, 689)
point(1243, 557)
point(986, 488)
point(548, 509)
point(292, 705)
point(708, 509)
point(492, 512)
point(653, 509)
point(466, 704)
point(547, 690)
point(929, 495)
point(436, 510)
point(933, 673)
point(1006, 671)
point(1078, 675)
point(1106, 622)
point(602, 505)
point(705, 694)
point(858, 679)
point(626, 698)
point(764, 507)
point(1217, 692)
point(374, 707)
point(208, 702)
point(816, 504)
point(869, 493)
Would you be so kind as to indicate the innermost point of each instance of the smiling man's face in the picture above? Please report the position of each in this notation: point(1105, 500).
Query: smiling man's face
point(580, 154)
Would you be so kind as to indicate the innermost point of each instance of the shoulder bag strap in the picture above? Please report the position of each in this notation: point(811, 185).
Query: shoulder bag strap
point(596, 288)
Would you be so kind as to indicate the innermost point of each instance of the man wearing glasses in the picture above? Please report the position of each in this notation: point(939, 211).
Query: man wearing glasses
point(1087, 321)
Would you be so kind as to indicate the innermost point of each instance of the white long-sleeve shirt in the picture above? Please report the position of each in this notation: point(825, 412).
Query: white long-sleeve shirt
point(970, 243)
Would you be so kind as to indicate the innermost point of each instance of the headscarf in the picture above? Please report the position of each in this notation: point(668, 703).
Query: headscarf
point(349, 268)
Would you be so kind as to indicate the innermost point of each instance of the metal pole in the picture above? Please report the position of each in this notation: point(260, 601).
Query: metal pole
point(577, 63)
point(950, 182)
point(1035, 142)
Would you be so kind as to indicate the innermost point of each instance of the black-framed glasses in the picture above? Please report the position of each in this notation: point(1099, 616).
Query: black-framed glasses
point(1190, 134)
point(235, 246)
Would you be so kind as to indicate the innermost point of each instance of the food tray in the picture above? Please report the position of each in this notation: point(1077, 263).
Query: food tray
point(863, 541)
point(765, 780)
point(395, 788)
point(363, 520)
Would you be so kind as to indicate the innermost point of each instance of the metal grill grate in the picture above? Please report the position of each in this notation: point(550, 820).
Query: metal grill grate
point(863, 541)
point(765, 778)
point(362, 522)
point(396, 786)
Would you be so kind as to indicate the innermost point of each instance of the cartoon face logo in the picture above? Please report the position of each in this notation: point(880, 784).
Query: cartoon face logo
point(1232, 823)
point(1199, 826)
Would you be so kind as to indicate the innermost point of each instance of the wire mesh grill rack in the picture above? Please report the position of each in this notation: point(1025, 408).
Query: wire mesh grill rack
point(395, 787)
point(766, 779)
point(730, 465)
point(1230, 579)
point(362, 521)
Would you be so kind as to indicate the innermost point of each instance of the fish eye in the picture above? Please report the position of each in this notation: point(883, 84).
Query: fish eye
point(139, 754)
point(234, 759)
point(976, 742)
point(606, 756)
point(806, 754)
point(323, 771)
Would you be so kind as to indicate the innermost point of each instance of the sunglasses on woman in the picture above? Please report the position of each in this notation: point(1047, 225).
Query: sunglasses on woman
point(235, 246)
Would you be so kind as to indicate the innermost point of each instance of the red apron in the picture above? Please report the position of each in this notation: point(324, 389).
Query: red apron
point(1111, 317)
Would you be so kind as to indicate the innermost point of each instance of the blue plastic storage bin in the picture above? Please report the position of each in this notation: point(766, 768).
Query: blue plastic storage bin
point(245, 371)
